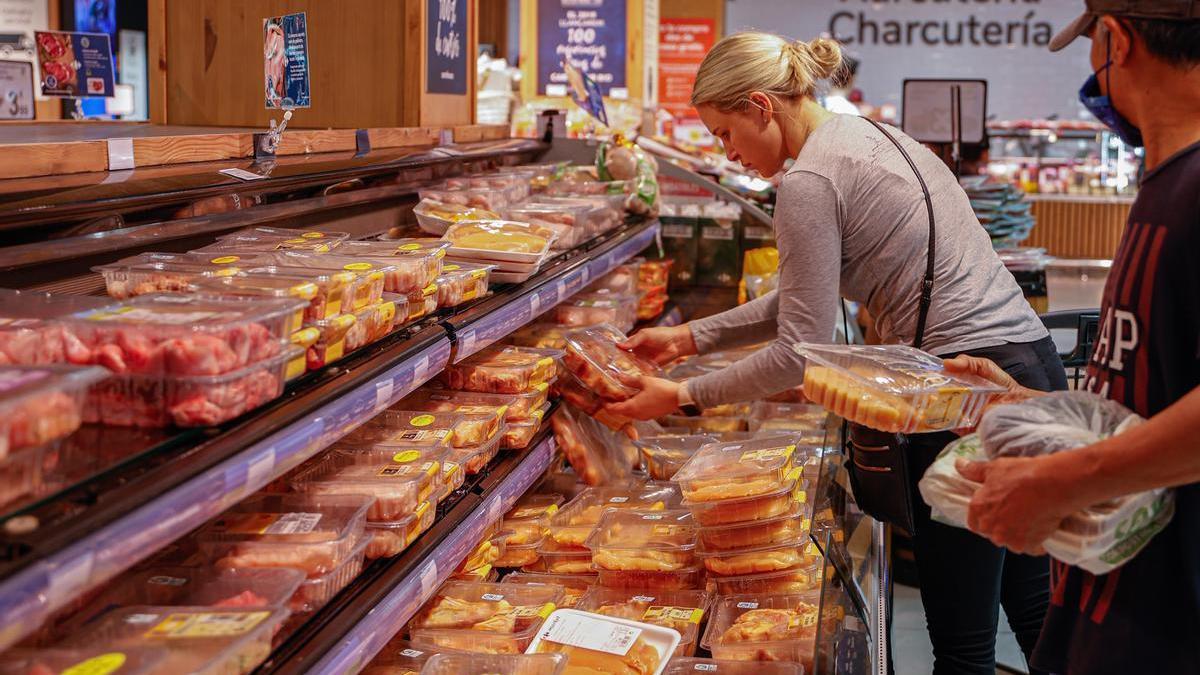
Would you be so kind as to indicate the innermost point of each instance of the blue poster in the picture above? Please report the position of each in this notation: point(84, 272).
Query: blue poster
point(285, 61)
point(74, 65)
point(589, 34)
point(446, 58)
point(96, 16)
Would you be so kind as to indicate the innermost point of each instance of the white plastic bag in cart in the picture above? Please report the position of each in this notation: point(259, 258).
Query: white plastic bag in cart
point(1098, 539)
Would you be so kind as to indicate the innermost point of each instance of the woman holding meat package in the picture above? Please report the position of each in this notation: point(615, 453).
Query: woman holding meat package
point(868, 214)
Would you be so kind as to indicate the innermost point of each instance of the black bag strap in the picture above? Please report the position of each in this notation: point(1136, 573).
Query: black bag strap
point(927, 285)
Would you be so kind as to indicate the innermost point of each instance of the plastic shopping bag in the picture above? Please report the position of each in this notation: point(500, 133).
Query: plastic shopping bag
point(1098, 539)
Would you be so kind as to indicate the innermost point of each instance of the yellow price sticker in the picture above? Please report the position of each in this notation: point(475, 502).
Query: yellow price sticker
point(98, 665)
point(225, 260)
point(313, 235)
point(422, 420)
point(357, 266)
point(412, 246)
point(450, 268)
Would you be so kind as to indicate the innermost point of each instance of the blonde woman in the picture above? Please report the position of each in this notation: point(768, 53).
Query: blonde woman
point(868, 214)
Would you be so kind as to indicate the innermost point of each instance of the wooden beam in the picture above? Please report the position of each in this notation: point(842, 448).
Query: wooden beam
point(403, 137)
point(156, 59)
point(45, 159)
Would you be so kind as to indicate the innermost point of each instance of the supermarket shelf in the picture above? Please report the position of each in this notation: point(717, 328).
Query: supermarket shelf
point(132, 521)
point(363, 621)
point(507, 311)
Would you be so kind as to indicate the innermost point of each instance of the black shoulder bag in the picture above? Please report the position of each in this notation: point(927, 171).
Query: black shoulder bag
point(878, 461)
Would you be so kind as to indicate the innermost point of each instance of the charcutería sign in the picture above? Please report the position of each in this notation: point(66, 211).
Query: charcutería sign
point(865, 27)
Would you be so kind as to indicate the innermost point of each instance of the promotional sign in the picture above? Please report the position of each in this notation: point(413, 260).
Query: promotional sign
point(682, 44)
point(16, 90)
point(586, 93)
point(96, 16)
point(75, 64)
point(285, 61)
point(1004, 43)
point(590, 35)
point(446, 56)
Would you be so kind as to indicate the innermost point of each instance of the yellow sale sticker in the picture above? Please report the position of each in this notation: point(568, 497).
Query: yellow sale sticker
point(357, 267)
point(313, 235)
point(422, 420)
point(98, 665)
point(412, 246)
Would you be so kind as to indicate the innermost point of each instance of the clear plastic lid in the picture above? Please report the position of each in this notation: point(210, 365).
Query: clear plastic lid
point(663, 456)
point(596, 453)
point(785, 527)
point(542, 335)
point(399, 429)
point(593, 355)
point(663, 541)
point(521, 406)
point(398, 487)
point(605, 644)
point(257, 242)
point(500, 235)
point(399, 657)
point(386, 539)
point(764, 627)
point(813, 415)
point(314, 533)
point(450, 212)
point(413, 263)
point(691, 666)
point(51, 394)
point(98, 659)
point(796, 580)
point(574, 586)
point(786, 555)
point(509, 664)
point(682, 611)
point(372, 323)
point(893, 388)
point(477, 422)
point(289, 233)
point(551, 215)
point(504, 369)
point(574, 523)
point(201, 640)
point(127, 281)
point(622, 280)
point(446, 201)
point(474, 457)
point(256, 286)
point(462, 282)
point(745, 509)
point(462, 609)
point(734, 470)
point(590, 309)
point(535, 506)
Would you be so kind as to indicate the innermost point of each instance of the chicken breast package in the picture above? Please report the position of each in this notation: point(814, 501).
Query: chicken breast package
point(893, 388)
point(576, 521)
point(574, 586)
point(330, 239)
point(523, 406)
point(663, 541)
point(541, 335)
point(399, 657)
point(385, 540)
point(720, 471)
point(573, 391)
point(179, 334)
point(681, 611)
point(499, 240)
point(490, 618)
point(435, 216)
point(477, 423)
point(519, 434)
point(664, 456)
point(601, 307)
point(789, 526)
point(593, 451)
point(371, 324)
point(416, 263)
point(509, 664)
point(398, 487)
point(124, 281)
point(31, 328)
point(313, 533)
point(790, 554)
point(397, 429)
point(753, 508)
point(42, 404)
point(249, 243)
point(593, 355)
point(98, 658)
point(473, 458)
point(200, 640)
point(604, 213)
point(332, 285)
point(782, 582)
point(514, 184)
point(622, 280)
point(370, 275)
point(260, 287)
point(473, 198)
point(462, 282)
point(764, 628)
point(423, 302)
point(504, 369)
point(606, 644)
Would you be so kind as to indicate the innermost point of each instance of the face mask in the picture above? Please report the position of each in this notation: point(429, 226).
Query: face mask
point(1102, 107)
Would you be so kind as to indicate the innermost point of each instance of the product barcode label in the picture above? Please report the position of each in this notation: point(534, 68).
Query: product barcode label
point(595, 634)
point(294, 523)
point(491, 597)
point(706, 667)
point(411, 653)
point(618, 500)
point(747, 605)
point(207, 624)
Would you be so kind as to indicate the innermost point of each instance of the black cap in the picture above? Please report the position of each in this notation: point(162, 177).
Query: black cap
point(1166, 10)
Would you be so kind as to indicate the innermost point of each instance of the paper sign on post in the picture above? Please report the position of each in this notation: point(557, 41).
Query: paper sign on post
point(285, 61)
point(74, 65)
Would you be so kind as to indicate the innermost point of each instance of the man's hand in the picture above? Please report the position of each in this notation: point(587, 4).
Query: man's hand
point(1020, 503)
point(662, 345)
point(657, 397)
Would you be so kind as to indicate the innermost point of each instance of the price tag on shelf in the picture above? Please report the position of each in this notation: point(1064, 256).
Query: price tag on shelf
point(383, 394)
point(242, 174)
point(261, 471)
point(466, 342)
point(429, 578)
point(120, 154)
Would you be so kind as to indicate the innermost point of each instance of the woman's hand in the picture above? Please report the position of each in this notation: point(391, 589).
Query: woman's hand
point(988, 370)
point(657, 397)
point(662, 345)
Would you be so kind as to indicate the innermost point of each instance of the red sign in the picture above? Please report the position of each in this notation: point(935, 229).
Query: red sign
point(682, 44)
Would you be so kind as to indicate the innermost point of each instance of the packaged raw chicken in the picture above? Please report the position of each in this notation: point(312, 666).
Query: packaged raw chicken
point(572, 390)
point(462, 282)
point(398, 487)
point(332, 239)
point(477, 422)
point(490, 549)
point(509, 664)
point(593, 355)
point(575, 522)
point(574, 586)
point(786, 527)
point(707, 424)
point(786, 555)
point(893, 388)
point(503, 369)
point(590, 448)
point(24, 474)
point(417, 262)
point(440, 201)
point(313, 533)
point(399, 657)
point(31, 332)
point(179, 334)
point(696, 666)
point(663, 541)
point(513, 184)
point(128, 281)
point(569, 221)
point(521, 406)
point(553, 558)
point(495, 238)
point(654, 273)
point(372, 323)
point(201, 640)
point(100, 658)
point(473, 458)
point(316, 591)
point(331, 345)
point(385, 540)
point(743, 509)
point(604, 213)
point(795, 580)
point(681, 611)
point(622, 280)
point(735, 470)
point(435, 217)
point(688, 578)
point(42, 404)
point(249, 244)
point(260, 287)
point(525, 535)
point(605, 644)
point(486, 618)
point(542, 335)
point(422, 303)
point(519, 434)
point(144, 400)
point(265, 588)
point(663, 456)
point(396, 430)
point(590, 309)
point(370, 275)
point(764, 628)
point(650, 306)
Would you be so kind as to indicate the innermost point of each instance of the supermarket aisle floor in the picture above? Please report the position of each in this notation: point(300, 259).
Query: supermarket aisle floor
point(911, 651)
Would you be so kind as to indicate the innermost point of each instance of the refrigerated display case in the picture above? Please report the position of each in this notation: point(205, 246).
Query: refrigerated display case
point(111, 498)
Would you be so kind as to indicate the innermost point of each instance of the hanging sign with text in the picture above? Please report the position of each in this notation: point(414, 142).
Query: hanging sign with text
point(75, 64)
point(682, 44)
point(590, 35)
point(285, 61)
point(446, 53)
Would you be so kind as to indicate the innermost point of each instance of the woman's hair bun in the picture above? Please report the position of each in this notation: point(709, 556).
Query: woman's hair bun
point(827, 55)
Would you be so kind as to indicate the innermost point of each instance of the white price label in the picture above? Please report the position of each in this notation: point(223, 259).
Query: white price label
point(595, 634)
point(294, 523)
point(383, 394)
point(120, 154)
point(618, 500)
point(642, 598)
point(491, 597)
point(706, 667)
point(411, 653)
point(429, 579)
point(242, 174)
point(747, 605)
point(446, 137)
